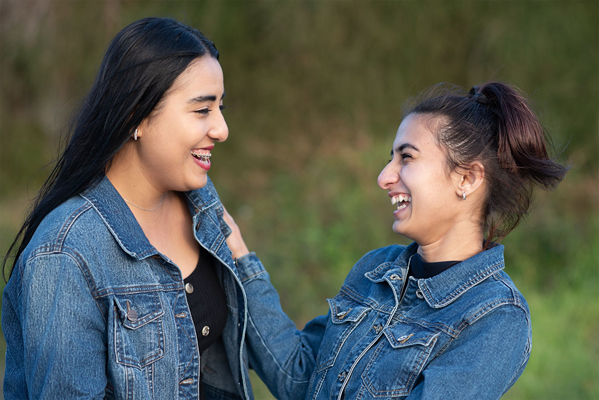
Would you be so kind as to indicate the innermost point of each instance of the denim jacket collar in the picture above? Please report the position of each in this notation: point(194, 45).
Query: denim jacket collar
point(400, 266)
point(443, 289)
point(119, 219)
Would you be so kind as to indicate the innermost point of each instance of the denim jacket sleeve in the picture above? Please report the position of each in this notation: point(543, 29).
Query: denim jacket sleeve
point(468, 367)
point(61, 333)
point(282, 356)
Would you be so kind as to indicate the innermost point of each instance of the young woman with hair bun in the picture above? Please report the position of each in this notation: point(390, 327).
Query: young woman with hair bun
point(438, 318)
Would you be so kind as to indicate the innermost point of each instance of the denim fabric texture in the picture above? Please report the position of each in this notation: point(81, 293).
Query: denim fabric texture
point(462, 334)
point(92, 310)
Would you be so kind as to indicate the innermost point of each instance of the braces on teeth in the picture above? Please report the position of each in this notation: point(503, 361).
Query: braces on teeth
point(202, 157)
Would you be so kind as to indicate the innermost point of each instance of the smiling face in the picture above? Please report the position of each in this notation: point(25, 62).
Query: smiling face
point(417, 180)
point(175, 142)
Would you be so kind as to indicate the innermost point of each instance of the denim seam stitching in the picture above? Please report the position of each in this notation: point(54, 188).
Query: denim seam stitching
point(253, 276)
point(66, 227)
point(489, 308)
point(435, 325)
point(193, 342)
point(364, 301)
point(460, 290)
point(111, 291)
point(80, 264)
point(525, 355)
point(116, 237)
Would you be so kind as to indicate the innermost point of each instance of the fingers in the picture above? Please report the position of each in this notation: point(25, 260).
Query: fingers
point(235, 240)
point(229, 220)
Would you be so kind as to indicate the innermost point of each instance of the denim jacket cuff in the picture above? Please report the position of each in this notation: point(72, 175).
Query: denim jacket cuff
point(249, 267)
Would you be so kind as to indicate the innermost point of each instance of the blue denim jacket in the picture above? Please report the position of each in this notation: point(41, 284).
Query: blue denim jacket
point(463, 334)
point(93, 310)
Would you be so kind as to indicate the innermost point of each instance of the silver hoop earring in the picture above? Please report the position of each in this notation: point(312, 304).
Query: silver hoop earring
point(463, 195)
point(135, 134)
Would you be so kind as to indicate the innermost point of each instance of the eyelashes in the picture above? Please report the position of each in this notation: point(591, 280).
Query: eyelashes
point(206, 111)
point(402, 156)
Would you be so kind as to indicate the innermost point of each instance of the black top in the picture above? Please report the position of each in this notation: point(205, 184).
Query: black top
point(421, 269)
point(207, 301)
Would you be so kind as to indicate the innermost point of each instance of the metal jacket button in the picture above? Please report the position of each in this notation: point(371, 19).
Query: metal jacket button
point(206, 331)
point(189, 288)
point(131, 313)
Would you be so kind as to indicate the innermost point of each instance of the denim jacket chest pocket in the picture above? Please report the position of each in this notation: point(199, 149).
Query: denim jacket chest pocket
point(345, 316)
point(138, 329)
point(398, 359)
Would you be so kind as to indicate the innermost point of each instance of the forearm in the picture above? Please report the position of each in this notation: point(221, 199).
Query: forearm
point(283, 356)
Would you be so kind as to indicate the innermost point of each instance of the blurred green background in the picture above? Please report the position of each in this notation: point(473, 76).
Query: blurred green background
point(314, 95)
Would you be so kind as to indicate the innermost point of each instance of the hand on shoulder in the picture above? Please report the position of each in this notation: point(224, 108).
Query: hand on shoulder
point(235, 240)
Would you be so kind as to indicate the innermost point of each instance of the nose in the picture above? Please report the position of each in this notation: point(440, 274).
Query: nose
point(219, 132)
point(388, 176)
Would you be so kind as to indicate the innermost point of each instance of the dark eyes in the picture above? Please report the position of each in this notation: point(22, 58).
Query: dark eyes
point(206, 111)
point(402, 156)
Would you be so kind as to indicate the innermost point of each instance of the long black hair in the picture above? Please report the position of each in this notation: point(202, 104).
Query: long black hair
point(494, 123)
point(140, 65)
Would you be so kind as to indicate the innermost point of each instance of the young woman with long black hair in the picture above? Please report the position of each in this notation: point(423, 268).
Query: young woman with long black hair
point(438, 319)
point(122, 276)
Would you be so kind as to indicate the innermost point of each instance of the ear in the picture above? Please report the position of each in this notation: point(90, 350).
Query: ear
point(470, 179)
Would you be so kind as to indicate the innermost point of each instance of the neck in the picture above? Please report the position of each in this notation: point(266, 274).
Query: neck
point(132, 184)
point(456, 245)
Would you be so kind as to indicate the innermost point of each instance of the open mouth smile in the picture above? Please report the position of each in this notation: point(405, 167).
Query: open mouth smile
point(202, 157)
point(402, 201)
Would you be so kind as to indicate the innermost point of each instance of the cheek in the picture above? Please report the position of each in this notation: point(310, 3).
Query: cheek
point(427, 186)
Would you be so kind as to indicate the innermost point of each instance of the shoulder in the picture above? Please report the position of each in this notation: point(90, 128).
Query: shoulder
point(67, 232)
point(497, 296)
point(56, 227)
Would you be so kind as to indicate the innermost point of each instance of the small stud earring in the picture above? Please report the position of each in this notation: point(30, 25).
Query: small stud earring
point(135, 134)
point(463, 195)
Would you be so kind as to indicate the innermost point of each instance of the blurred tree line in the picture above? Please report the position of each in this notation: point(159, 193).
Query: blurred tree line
point(315, 91)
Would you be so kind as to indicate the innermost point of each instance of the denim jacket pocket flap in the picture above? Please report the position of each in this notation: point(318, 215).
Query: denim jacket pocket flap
point(346, 315)
point(396, 363)
point(345, 309)
point(402, 335)
point(138, 309)
point(138, 330)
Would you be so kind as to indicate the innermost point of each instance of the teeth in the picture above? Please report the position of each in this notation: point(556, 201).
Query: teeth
point(202, 157)
point(400, 201)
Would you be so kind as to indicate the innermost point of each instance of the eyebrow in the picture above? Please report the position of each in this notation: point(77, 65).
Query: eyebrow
point(201, 99)
point(402, 147)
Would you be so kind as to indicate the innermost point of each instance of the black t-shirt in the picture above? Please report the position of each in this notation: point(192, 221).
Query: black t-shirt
point(421, 269)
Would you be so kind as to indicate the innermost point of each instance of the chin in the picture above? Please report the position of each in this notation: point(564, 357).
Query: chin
point(397, 228)
point(198, 183)
point(201, 183)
